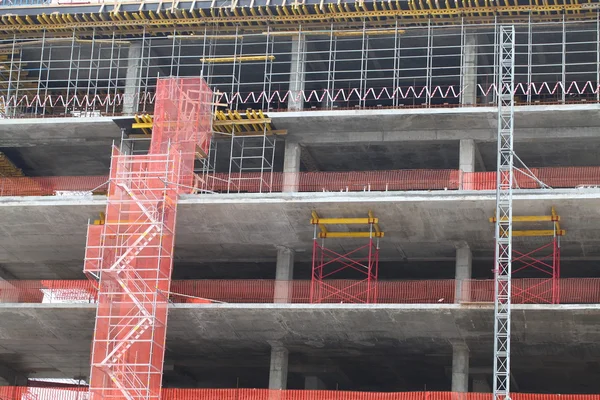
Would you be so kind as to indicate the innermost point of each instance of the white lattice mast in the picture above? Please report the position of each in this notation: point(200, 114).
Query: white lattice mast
point(503, 232)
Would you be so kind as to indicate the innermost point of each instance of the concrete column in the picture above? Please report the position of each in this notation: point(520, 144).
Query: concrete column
point(460, 368)
point(466, 162)
point(464, 261)
point(466, 156)
point(279, 367)
point(132, 79)
point(297, 68)
point(291, 167)
point(312, 382)
point(469, 69)
point(284, 274)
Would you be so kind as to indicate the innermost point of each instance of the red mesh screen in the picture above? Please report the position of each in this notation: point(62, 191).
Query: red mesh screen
point(132, 253)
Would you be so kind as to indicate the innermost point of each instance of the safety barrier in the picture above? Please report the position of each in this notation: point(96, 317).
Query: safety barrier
point(62, 104)
point(367, 181)
point(26, 393)
point(525, 290)
point(334, 181)
point(52, 185)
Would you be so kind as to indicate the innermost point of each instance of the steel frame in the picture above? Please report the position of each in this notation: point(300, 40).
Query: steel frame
point(363, 260)
point(344, 67)
point(504, 213)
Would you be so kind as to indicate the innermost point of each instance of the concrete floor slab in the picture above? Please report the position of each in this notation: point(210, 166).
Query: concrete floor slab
point(75, 146)
point(44, 238)
point(54, 339)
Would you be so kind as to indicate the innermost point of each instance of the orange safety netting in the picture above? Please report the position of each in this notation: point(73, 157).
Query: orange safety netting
point(573, 291)
point(132, 252)
point(21, 393)
point(398, 180)
point(51, 185)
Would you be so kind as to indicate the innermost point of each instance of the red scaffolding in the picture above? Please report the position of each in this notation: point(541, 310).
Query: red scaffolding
point(328, 264)
point(131, 252)
point(541, 262)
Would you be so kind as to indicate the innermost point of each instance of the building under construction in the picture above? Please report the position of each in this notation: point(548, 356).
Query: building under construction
point(265, 199)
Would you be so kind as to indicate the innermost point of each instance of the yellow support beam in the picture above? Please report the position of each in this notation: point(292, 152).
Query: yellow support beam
point(530, 218)
point(344, 221)
point(236, 59)
point(142, 125)
point(375, 13)
point(242, 122)
point(324, 235)
point(273, 132)
point(540, 232)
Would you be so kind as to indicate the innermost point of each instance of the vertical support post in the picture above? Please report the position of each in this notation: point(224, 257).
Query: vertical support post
point(40, 84)
point(396, 84)
point(460, 368)
point(297, 69)
point(278, 370)
point(529, 59)
point(133, 78)
point(556, 268)
point(463, 273)
point(284, 275)
point(364, 67)
point(291, 167)
point(329, 96)
point(503, 228)
point(564, 60)
point(429, 70)
point(598, 57)
point(469, 69)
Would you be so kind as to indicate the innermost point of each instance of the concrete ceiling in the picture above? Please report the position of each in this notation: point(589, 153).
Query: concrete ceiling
point(337, 140)
point(54, 340)
point(46, 236)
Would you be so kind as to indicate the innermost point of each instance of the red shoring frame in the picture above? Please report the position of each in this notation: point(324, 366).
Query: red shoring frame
point(327, 262)
point(545, 290)
point(545, 259)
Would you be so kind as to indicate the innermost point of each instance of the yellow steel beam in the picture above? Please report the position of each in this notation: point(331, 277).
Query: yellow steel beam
point(276, 132)
point(236, 59)
point(142, 125)
point(540, 232)
point(324, 235)
point(369, 32)
point(376, 224)
point(241, 122)
point(321, 226)
point(344, 221)
point(322, 222)
point(530, 218)
point(58, 22)
point(101, 219)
